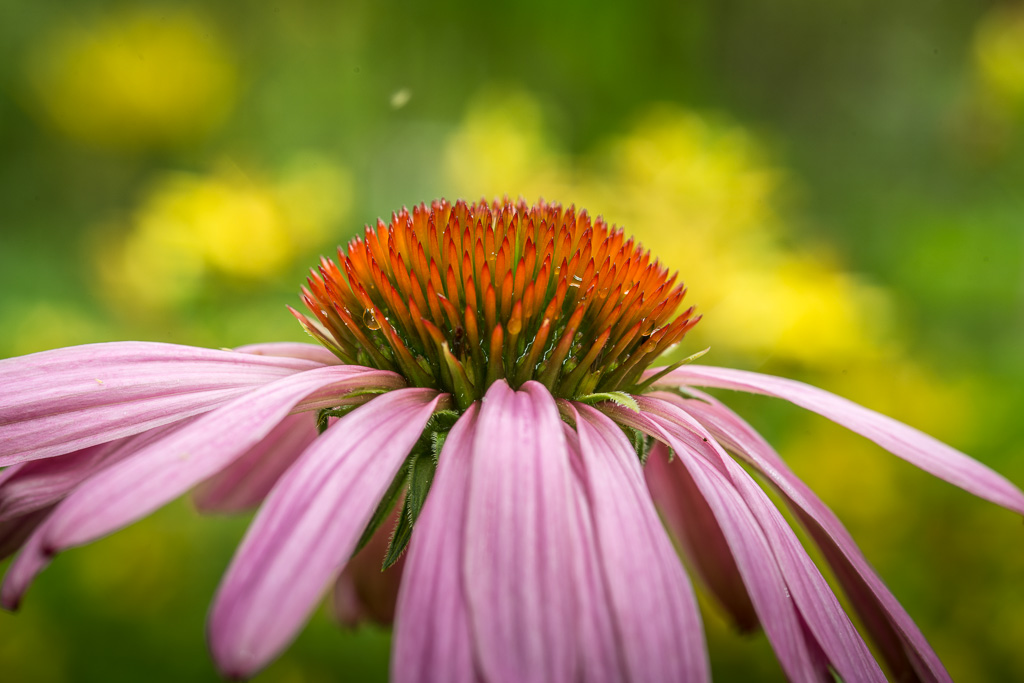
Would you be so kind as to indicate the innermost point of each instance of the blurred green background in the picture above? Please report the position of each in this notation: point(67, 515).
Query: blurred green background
point(839, 184)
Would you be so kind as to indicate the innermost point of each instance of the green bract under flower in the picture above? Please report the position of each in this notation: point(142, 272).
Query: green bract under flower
point(458, 296)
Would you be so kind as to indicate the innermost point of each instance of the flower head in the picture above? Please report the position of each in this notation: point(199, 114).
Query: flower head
point(486, 387)
point(456, 297)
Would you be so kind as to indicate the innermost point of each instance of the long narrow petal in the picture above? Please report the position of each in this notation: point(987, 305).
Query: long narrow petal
point(42, 483)
point(65, 400)
point(37, 484)
point(659, 626)
point(914, 446)
point(597, 637)
point(164, 470)
point(308, 527)
point(244, 484)
point(432, 639)
point(520, 539)
point(692, 522)
point(753, 554)
point(906, 650)
point(825, 618)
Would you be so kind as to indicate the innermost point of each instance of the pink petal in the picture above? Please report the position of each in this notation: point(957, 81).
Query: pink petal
point(519, 558)
point(432, 639)
point(905, 649)
point(33, 485)
point(754, 557)
point(311, 352)
point(37, 484)
point(692, 522)
point(308, 527)
point(65, 400)
point(659, 627)
point(164, 470)
point(818, 606)
point(244, 484)
point(597, 635)
point(915, 447)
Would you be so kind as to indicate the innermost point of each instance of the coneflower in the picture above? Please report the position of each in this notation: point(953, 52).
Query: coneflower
point(484, 398)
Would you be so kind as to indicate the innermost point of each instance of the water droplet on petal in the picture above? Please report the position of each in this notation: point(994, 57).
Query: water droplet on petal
point(370, 320)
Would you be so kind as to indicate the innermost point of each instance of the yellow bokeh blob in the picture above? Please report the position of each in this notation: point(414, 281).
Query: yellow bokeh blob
point(191, 226)
point(136, 79)
point(235, 227)
point(502, 147)
point(999, 54)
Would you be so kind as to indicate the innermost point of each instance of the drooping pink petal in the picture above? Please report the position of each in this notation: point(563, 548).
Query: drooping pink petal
point(432, 640)
point(24, 488)
point(362, 592)
point(659, 627)
point(311, 352)
point(64, 400)
point(905, 649)
point(244, 484)
point(818, 656)
point(825, 617)
point(308, 527)
point(598, 656)
point(753, 554)
point(42, 483)
point(518, 567)
point(914, 446)
point(164, 470)
point(692, 522)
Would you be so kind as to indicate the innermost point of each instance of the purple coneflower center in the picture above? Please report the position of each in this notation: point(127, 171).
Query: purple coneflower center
point(456, 297)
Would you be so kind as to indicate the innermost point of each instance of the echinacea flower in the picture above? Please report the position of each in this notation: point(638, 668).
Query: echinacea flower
point(484, 383)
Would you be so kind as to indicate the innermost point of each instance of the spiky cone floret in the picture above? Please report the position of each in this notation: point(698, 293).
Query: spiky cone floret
point(458, 296)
